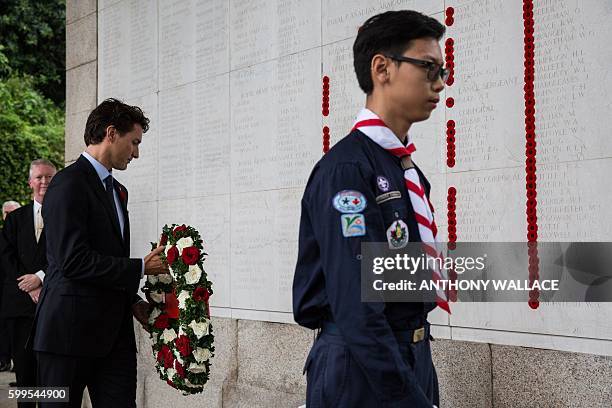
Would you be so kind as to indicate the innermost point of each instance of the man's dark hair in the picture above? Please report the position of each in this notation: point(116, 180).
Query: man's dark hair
point(389, 32)
point(116, 113)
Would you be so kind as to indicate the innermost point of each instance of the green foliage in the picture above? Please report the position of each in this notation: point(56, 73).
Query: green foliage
point(31, 127)
point(32, 33)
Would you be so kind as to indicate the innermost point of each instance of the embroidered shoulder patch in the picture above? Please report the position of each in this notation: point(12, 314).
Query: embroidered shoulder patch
point(349, 202)
point(353, 225)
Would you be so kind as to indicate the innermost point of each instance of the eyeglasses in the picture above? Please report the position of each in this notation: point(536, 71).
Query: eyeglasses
point(434, 71)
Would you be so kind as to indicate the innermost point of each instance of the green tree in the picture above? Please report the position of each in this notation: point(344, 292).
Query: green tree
point(32, 33)
point(31, 127)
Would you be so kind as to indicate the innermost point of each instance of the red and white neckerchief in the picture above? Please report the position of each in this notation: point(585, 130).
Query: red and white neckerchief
point(372, 126)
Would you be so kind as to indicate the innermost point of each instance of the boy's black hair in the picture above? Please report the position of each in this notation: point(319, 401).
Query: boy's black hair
point(389, 32)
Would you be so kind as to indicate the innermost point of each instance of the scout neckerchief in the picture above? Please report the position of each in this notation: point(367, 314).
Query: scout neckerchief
point(372, 126)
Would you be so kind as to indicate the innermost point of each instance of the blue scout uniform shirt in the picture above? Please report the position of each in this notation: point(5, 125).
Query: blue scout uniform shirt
point(327, 281)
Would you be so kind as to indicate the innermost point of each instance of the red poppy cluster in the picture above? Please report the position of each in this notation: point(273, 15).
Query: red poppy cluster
point(530, 151)
point(451, 199)
point(325, 104)
point(449, 58)
point(325, 139)
point(450, 143)
point(450, 16)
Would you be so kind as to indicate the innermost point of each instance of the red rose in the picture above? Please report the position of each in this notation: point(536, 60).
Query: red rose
point(191, 255)
point(172, 255)
point(165, 356)
point(179, 369)
point(163, 240)
point(200, 294)
point(183, 346)
point(123, 195)
point(161, 322)
point(179, 229)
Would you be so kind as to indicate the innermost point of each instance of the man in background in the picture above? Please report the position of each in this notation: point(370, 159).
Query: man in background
point(5, 344)
point(24, 259)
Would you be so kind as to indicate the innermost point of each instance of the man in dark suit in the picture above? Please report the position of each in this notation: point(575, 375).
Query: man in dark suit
point(5, 342)
point(24, 262)
point(83, 333)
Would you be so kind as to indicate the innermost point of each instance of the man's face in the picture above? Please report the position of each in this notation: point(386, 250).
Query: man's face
point(411, 95)
point(39, 181)
point(8, 209)
point(124, 148)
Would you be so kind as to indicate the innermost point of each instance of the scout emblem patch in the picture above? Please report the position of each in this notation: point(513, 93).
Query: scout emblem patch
point(349, 202)
point(353, 225)
point(397, 234)
point(383, 183)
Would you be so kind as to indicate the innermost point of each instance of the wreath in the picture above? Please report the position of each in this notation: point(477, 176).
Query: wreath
point(179, 323)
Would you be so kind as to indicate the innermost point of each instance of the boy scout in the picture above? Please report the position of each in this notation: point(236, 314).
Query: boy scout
point(366, 189)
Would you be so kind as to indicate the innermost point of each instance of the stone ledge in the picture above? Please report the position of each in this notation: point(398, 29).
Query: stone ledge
point(272, 355)
point(529, 377)
point(464, 373)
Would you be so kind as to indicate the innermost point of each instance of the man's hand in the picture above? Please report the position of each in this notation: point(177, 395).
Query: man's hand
point(35, 293)
point(141, 311)
point(153, 263)
point(29, 282)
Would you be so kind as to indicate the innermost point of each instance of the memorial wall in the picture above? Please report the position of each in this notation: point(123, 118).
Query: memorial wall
point(234, 89)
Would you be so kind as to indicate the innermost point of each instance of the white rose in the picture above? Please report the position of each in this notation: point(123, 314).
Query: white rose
point(158, 296)
point(169, 335)
point(193, 274)
point(197, 368)
point(165, 278)
point(199, 329)
point(182, 297)
point(183, 243)
point(154, 315)
point(152, 279)
point(190, 385)
point(201, 354)
point(170, 372)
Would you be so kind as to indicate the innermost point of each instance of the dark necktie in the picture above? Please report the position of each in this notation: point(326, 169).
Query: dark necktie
point(108, 182)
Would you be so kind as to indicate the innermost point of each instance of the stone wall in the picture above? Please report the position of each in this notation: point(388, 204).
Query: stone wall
point(259, 364)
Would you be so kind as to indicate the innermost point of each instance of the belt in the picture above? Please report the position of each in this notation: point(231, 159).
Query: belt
point(407, 335)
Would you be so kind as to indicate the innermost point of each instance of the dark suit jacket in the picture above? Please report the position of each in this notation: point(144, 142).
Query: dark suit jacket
point(21, 255)
point(91, 283)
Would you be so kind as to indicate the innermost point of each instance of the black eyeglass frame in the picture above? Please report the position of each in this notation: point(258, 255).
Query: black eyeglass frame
point(434, 71)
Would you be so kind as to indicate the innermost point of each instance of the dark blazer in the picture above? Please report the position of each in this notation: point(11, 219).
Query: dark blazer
point(91, 283)
point(21, 255)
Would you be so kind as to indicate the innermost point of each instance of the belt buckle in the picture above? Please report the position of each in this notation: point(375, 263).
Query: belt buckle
point(418, 335)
